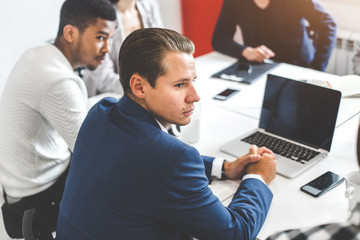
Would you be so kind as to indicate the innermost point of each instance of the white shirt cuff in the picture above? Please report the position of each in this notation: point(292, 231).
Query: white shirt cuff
point(253, 176)
point(216, 167)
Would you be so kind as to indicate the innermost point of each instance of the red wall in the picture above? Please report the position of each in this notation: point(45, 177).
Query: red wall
point(198, 21)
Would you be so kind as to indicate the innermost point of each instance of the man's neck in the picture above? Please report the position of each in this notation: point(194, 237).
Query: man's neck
point(59, 43)
point(262, 3)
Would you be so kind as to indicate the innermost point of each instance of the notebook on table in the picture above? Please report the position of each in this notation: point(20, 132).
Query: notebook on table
point(245, 72)
point(297, 123)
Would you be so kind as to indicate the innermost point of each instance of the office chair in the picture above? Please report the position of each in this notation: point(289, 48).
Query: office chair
point(34, 227)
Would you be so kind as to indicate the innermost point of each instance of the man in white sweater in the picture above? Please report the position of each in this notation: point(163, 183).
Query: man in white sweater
point(42, 108)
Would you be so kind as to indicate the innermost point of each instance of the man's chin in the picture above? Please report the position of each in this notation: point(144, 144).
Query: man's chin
point(184, 123)
point(91, 67)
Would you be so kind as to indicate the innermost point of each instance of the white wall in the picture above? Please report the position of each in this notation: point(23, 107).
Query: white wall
point(345, 12)
point(171, 14)
point(24, 23)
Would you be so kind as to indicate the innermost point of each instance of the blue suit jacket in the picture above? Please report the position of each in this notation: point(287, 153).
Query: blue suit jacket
point(130, 180)
point(289, 38)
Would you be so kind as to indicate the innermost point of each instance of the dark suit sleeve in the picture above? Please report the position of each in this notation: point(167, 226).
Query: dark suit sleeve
point(208, 161)
point(222, 39)
point(324, 27)
point(188, 203)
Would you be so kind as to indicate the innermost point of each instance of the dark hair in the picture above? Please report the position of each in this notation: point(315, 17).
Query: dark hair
point(114, 1)
point(144, 50)
point(82, 13)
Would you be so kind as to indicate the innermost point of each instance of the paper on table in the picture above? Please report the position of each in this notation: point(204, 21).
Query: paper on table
point(348, 85)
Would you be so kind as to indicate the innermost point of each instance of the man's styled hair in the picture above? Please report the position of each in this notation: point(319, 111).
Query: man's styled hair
point(144, 50)
point(82, 13)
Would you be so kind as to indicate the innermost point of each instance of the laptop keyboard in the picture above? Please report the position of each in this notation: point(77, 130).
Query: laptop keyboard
point(281, 147)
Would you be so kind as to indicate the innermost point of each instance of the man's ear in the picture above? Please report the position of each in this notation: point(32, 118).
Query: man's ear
point(137, 85)
point(70, 33)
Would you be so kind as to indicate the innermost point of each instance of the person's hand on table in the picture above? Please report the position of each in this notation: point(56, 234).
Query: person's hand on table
point(238, 168)
point(258, 54)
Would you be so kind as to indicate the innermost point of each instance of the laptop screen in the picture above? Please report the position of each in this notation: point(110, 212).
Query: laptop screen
point(299, 111)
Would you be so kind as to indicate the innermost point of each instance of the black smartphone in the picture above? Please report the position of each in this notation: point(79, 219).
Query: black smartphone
point(322, 184)
point(226, 94)
point(243, 68)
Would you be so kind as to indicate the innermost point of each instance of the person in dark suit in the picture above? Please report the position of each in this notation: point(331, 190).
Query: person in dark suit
point(130, 179)
point(299, 32)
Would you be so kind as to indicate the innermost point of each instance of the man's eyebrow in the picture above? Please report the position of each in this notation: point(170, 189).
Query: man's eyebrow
point(186, 79)
point(189, 79)
point(104, 33)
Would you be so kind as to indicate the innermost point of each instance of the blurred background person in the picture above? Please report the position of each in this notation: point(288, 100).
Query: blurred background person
point(131, 15)
point(299, 32)
point(356, 62)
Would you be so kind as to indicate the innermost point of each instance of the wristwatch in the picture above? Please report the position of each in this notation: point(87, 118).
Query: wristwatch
point(223, 177)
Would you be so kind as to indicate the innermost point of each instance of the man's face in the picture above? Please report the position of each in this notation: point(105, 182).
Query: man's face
point(172, 99)
point(93, 44)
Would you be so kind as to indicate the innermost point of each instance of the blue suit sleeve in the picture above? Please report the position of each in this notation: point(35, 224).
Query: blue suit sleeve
point(208, 161)
point(189, 204)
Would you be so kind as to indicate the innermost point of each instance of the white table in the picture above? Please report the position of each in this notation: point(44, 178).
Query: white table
point(249, 101)
point(223, 121)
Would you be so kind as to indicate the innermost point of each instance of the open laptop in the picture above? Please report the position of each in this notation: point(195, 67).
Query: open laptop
point(297, 123)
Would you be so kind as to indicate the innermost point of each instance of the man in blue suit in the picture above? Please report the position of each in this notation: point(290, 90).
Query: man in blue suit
point(130, 179)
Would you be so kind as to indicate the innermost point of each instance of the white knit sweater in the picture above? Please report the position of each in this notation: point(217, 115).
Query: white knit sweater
point(41, 110)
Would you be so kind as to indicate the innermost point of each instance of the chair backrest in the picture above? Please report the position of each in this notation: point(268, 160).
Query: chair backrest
point(34, 227)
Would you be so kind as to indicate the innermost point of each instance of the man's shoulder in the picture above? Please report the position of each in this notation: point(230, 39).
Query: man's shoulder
point(39, 51)
point(45, 61)
point(137, 126)
point(47, 57)
point(41, 68)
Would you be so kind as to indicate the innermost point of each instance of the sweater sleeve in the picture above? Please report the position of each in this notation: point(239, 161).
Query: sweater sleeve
point(64, 107)
point(222, 39)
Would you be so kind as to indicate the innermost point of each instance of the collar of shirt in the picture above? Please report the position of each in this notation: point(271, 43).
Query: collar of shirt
point(161, 126)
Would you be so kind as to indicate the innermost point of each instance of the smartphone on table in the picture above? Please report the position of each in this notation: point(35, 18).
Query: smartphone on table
point(243, 68)
point(226, 94)
point(322, 184)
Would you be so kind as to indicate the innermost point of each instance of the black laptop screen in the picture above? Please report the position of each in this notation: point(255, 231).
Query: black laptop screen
point(300, 111)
